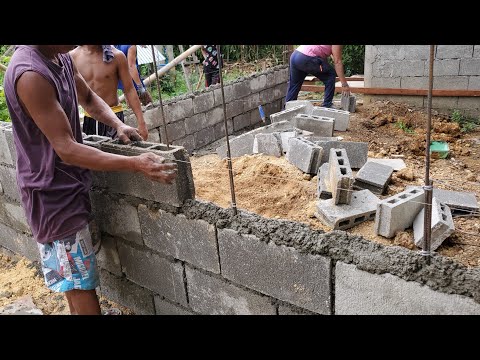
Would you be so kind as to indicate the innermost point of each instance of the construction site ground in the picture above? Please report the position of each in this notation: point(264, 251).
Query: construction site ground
point(274, 188)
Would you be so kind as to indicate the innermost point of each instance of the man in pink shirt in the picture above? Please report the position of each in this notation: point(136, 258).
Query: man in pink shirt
point(312, 59)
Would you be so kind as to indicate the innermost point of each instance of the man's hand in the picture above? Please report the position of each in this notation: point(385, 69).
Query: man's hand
point(127, 134)
point(155, 168)
point(345, 89)
point(143, 131)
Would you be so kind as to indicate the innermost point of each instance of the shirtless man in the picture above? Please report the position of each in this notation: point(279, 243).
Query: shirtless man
point(102, 66)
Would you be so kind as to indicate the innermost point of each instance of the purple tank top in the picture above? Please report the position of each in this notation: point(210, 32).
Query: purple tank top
point(55, 195)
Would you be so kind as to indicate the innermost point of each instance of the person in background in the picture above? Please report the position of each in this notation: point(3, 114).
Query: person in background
point(313, 60)
point(43, 89)
point(102, 67)
point(130, 51)
point(210, 65)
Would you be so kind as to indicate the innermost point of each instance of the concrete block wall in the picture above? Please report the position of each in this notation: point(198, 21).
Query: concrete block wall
point(195, 120)
point(456, 67)
point(198, 258)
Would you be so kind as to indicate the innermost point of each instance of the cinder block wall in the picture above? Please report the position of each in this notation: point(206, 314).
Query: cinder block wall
point(171, 254)
point(456, 67)
point(195, 120)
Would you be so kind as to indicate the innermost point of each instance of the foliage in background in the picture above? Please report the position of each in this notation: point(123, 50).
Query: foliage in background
point(466, 123)
point(353, 57)
point(4, 115)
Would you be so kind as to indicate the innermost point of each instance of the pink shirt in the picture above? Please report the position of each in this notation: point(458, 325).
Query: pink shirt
point(322, 51)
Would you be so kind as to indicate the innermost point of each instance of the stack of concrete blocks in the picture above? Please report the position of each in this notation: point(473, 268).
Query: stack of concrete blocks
point(318, 125)
point(285, 136)
point(357, 152)
point(374, 177)
point(304, 154)
point(243, 144)
point(342, 118)
point(398, 212)
point(348, 103)
point(127, 183)
point(442, 225)
point(340, 178)
point(268, 144)
point(362, 207)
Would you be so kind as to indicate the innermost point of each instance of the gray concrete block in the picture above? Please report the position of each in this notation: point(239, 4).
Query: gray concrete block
point(476, 51)
point(228, 92)
point(383, 82)
point(416, 52)
point(444, 67)
point(281, 75)
point(395, 164)
point(178, 110)
point(285, 136)
point(410, 67)
point(270, 79)
point(203, 102)
point(287, 115)
point(251, 102)
point(175, 131)
point(470, 67)
point(204, 137)
point(348, 103)
point(215, 116)
point(6, 156)
point(450, 82)
point(219, 129)
point(297, 278)
point(117, 218)
point(362, 207)
point(456, 200)
point(258, 83)
point(304, 154)
point(152, 117)
point(361, 293)
point(342, 118)
point(211, 296)
point(196, 123)
point(340, 178)
point(454, 51)
point(414, 82)
point(234, 108)
point(154, 136)
point(398, 212)
point(442, 225)
point(287, 310)
point(193, 241)
point(357, 152)
point(323, 188)
point(383, 68)
point(268, 144)
point(374, 177)
point(188, 142)
point(107, 257)
point(241, 121)
point(318, 125)
point(241, 89)
point(8, 182)
point(294, 103)
point(163, 307)
point(19, 243)
point(126, 293)
point(153, 272)
point(21, 306)
point(243, 144)
point(473, 84)
point(13, 215)
point(279, 91)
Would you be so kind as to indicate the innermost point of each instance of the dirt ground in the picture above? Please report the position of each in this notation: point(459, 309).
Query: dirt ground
point(274, 188)
point(20, 277)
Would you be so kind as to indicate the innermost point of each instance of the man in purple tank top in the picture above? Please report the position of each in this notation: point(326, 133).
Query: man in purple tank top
point(43, 89)
point(312, 59)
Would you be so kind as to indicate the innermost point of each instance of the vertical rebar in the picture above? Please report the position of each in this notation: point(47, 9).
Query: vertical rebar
point(160, 98)
point(427, 220)
point(229, 158)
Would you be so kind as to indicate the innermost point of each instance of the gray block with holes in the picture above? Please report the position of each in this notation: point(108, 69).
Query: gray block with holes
point(304, 154)
point(442, 225)
point(323, 190)
point(340, 178)
point(362, 207)
point(374, 177)
point(398, 212)
point(318, 125)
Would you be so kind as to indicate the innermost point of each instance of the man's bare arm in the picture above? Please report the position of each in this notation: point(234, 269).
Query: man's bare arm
point(39, 100)
point(131, 94)
point(132, 65)
point(337, 60)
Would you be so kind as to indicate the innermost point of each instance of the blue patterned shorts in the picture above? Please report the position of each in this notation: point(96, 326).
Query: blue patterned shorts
point(70, 263)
